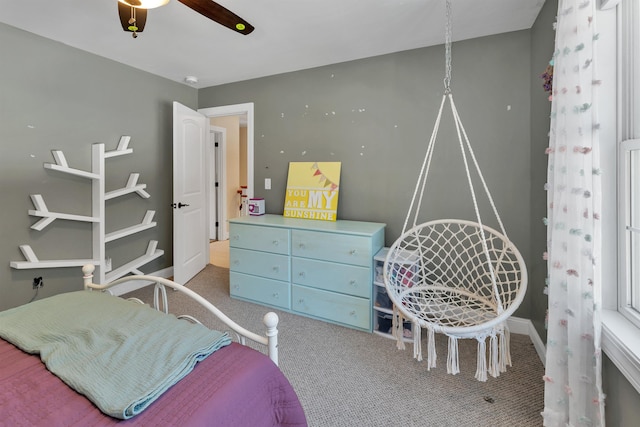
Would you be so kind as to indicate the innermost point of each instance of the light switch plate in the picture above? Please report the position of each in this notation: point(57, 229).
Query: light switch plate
point(267, 183)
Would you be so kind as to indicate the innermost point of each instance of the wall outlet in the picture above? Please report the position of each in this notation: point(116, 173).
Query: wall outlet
point(37, 282)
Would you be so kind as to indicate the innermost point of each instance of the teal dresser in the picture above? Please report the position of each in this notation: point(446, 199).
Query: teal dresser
point(319, 269)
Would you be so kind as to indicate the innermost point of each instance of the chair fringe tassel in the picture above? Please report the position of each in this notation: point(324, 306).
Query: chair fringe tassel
point(452, 356)
point(499, 349)
point(505, 349)
point(499, 353)
point(417, 343)
point(481, 371)
point(396, 328)
point(494, 368)
point(431, 349)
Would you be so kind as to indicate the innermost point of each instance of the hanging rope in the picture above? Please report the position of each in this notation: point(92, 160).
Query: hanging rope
point(447, 51)
point(456, 277)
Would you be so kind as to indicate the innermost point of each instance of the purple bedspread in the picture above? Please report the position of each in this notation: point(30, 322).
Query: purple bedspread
point(236, 387)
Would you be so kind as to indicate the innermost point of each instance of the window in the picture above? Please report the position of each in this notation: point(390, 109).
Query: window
point(629, 226)
point(629, 162)
point(619, 60)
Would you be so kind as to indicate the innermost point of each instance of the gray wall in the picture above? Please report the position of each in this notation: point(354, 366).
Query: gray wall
point(623, 401)
point(376, 116)
point(542, 47)
point(74, 99)
point(382, 107)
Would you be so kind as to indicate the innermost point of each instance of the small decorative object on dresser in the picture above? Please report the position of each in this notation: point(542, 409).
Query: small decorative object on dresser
point(256, 207)
point(318, 269)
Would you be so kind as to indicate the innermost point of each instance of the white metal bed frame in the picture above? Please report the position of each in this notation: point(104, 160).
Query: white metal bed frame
point(160, 303)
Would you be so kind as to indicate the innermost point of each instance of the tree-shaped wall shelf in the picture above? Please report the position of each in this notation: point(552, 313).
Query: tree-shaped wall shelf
point(104, 271)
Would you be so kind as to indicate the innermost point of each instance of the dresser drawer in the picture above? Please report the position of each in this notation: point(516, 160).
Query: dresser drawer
point(260, 290)
point(345, 309)
point(272, 266)
point(346, 279)
point(343, 248)
point(267, 239)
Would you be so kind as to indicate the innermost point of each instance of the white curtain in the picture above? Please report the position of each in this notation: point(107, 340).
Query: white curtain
point(573, 386)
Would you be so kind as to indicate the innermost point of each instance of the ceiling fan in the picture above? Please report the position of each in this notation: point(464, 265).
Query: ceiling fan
point(133, 14)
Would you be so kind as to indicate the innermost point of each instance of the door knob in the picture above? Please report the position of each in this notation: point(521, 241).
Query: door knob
point(179, 205)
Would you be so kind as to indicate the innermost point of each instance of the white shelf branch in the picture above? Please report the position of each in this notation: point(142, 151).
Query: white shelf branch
point(147, 222)
point(131, 187)
point(132, 266)
point(62, 166)
point(48, 217)
point(32, 261)
point(123, 148)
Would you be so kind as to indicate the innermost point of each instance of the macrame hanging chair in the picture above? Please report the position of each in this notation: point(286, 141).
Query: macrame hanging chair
point(456, 277)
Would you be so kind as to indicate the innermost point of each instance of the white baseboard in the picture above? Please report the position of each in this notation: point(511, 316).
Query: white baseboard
point(518, 325)
point(137, 284)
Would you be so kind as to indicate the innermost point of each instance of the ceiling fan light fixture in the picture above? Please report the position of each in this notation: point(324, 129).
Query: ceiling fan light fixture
point(144, 4)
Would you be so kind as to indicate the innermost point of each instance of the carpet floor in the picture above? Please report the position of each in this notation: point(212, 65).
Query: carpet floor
point(349, 378)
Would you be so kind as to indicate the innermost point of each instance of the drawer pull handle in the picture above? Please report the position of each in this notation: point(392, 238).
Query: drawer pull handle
point(353, 313)
point(236, 237)
point(352, 252)
point(301, 246)
point(236, 286)
point(275, 243)
point(301, 301)
point(353, 282)
point(236, 262)
point(302, 274)
point(276, 268)
point(276, 296)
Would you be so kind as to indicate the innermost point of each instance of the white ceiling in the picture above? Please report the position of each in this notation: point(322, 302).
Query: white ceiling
point(290, 35)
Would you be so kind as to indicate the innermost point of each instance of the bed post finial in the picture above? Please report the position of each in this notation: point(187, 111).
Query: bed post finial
point(271, 320)
point(87, 274)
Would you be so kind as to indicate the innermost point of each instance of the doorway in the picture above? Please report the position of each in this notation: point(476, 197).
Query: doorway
point(230, 172)
point(227, 175)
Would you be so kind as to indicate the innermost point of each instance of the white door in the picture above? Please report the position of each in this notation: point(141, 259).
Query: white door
point(190, 214)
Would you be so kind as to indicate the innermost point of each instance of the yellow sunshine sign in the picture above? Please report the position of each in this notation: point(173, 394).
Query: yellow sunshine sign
point(312, 190)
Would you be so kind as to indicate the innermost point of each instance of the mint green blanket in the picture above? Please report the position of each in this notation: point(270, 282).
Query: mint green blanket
point(120, 354)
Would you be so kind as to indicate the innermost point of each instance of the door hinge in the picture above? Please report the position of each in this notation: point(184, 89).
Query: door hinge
point(216, 144)
point(217, 184)
point(217, 224)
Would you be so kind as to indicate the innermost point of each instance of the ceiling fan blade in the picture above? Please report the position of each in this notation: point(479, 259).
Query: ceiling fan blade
point(219, 14)
point(125, 15)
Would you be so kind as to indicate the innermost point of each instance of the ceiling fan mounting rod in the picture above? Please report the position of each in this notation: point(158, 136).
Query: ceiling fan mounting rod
point(132, 23)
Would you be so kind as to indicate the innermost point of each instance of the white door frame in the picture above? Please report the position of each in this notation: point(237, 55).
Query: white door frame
point(238, 110)
point(235, 110)
point(217, 173)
